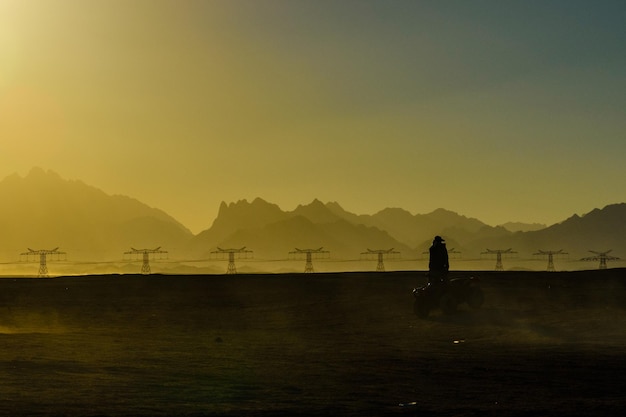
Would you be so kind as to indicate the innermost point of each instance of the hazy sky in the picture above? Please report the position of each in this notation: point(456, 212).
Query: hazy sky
point(499, 110)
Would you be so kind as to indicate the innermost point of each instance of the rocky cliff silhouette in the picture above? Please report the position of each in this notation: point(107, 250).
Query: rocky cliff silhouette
point(272, 233)
point(43, 210)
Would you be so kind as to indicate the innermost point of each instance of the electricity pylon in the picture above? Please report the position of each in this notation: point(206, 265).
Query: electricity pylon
point(550, 255)
point(602, 257)
point(231, 257)
point(498, 253)
point(380, 267)
point(145, 253)
point(43, 258)
point(308, 267)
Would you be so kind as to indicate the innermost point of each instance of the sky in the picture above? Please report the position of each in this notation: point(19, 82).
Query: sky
point(498, 110)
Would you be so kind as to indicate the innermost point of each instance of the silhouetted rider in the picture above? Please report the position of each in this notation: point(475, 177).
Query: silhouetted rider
point(438, 264)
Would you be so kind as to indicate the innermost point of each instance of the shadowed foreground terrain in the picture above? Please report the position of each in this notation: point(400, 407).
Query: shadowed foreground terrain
point(551, 344)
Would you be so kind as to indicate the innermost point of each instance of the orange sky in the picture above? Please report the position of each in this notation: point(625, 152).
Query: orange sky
point(499, 112)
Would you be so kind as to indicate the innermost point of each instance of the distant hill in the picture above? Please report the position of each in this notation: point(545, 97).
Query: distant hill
point(523, 227)
point(418, 230)
point(43, 211)
point(599, 230)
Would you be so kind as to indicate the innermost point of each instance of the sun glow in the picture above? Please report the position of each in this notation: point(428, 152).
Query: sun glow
point(31, 121)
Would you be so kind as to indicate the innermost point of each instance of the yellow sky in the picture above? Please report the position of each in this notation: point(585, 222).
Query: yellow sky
point(500, 113)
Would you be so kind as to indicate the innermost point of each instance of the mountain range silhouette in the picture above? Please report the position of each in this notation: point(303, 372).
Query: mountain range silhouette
point(43, 210)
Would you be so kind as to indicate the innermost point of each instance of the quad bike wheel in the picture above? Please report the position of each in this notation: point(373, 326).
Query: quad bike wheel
point(448, 304)
point(476, 298)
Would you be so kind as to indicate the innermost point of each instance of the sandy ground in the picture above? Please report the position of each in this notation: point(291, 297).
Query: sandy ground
point(550, 344)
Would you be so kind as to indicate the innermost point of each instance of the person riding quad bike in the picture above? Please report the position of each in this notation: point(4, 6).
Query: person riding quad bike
point(447, 295)
point(441, 291)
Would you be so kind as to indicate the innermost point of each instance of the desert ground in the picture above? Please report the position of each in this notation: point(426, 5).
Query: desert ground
point(345, 344)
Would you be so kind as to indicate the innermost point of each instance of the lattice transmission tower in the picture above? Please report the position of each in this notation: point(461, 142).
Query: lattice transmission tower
point(308, 267)
point(145, 256)
point(602, 257)
point(550, 254)
point(498, 253)
point(43, 258)
point(380, 254)
point(231, 257)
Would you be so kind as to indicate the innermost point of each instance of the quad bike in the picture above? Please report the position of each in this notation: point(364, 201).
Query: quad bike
point(447, 295)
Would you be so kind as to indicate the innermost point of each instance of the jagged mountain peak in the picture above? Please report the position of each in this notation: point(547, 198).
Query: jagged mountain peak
point(245, 203)
point(242, 206)
point(315, 203)
point(334, 205)
point(36, 174)
point(241, 215)
point(317, 212)
point(39, 172)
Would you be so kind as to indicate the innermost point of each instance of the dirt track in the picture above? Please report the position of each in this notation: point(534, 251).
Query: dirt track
point(328, 344)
